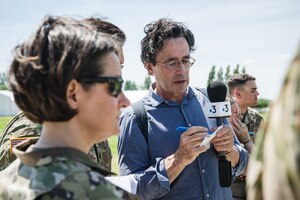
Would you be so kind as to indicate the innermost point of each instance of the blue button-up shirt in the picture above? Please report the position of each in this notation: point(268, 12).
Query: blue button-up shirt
point(199, 180)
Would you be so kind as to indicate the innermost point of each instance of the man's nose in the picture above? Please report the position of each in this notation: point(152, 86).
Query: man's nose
point(181, 68)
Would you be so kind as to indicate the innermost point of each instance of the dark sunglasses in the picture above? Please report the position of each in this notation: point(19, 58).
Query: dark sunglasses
point(115, 83)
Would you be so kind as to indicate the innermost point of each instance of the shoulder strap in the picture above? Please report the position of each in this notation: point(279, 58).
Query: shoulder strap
point(141, 116)
point(203, 91)
point(8, 125)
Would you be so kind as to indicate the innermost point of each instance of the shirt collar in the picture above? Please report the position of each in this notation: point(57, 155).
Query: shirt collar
point(245, 118)
point(154, 100)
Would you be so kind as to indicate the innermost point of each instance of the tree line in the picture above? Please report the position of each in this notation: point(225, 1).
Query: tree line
point(213, 75)
point(219, 75)
point(131, 85)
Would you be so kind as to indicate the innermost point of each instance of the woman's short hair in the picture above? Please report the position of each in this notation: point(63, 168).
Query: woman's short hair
point(61, 50)
point(104, 26)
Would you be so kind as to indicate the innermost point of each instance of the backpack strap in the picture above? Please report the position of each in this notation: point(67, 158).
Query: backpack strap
point(203, 91)
point(8, 126)
point(141, 116)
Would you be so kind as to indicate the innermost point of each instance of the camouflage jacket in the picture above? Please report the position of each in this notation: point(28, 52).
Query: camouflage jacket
point(20, 127)
point(56, 173)
point(253, 120)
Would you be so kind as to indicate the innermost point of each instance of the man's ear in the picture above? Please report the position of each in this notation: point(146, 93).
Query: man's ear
point(149, 67)
point(237, 93)
point(72, 93)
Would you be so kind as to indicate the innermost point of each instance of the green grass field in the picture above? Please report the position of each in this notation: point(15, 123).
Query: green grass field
point(113, 140)
point(3, 122)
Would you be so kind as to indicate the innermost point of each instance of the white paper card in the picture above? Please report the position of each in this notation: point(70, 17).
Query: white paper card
point(206, 141)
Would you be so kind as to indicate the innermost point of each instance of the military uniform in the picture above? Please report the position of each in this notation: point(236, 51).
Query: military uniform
point(56, 173)
point(20, 127)
point(253, 120)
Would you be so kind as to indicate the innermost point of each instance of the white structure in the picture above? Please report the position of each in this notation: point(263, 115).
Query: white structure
point(135, 95)
point(7, 104)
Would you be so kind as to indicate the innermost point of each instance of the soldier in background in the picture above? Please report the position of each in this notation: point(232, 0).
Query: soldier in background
point(242, 87)
point(240, 129)
point(20, 127)
point(67, 78)
point(274, 168)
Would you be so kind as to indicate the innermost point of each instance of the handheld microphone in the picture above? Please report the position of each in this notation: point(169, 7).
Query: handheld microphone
point(219, 109)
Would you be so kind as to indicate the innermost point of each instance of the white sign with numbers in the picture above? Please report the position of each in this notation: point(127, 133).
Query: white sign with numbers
point(218, 109)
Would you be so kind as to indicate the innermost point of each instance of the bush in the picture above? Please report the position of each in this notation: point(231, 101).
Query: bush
point(3, 86)
point(262, 103)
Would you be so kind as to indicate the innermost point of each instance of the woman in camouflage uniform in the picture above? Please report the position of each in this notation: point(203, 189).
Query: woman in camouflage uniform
point(274, 169)
point(67, 78)
point(20, 127)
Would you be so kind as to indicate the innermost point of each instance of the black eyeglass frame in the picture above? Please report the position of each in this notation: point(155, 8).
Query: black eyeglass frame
point(115, 83)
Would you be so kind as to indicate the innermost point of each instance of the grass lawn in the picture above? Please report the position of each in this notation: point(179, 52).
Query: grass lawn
point(113, 141)
point(3, 121)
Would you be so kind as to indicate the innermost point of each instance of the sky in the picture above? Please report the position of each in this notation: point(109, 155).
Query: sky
point(262, 35)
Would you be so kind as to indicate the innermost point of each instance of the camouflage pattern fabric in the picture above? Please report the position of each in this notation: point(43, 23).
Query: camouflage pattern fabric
point(253, 120)
point(21, 127)
point(101, 153)
point(274, 168)
point(56, 173)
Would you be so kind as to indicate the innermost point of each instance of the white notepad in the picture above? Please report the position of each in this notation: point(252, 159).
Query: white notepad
point(206, 141)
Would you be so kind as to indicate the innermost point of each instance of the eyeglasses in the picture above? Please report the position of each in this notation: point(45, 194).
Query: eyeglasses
point(175, 64)
point(115, 83)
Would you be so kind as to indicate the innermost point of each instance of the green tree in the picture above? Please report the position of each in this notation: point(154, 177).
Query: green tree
point(3, 86)
point(147, 82)
point(3, 81)
point(237, 69)
point(227, 73)
point(262, 103)
point(244, 70)
point(211, 75)
point(2, 77)
point(130, 85)
point(220, 74)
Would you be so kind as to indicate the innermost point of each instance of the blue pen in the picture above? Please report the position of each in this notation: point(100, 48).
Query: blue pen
point(183, 128)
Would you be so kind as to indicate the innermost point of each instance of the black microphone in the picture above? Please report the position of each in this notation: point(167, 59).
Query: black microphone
point(217, 92)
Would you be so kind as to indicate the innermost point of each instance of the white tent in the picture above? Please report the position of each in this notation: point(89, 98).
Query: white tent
point(7, 104)
point(135, 95)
